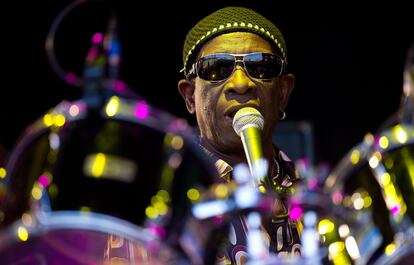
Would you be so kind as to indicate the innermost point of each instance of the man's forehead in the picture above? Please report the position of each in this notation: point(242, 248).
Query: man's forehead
point(236, 42)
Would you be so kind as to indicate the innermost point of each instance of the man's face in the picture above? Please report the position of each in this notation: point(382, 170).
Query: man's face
point(215, 103)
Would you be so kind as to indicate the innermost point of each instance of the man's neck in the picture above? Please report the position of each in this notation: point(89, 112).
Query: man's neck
point(237, 155)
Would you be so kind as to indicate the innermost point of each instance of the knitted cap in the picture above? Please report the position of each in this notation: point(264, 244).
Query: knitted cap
point(230, 19)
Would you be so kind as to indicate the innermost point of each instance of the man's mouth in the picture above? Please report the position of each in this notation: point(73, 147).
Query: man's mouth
point(230, 113)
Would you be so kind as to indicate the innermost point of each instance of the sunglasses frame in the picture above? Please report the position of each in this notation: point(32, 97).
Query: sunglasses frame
point(238, 58)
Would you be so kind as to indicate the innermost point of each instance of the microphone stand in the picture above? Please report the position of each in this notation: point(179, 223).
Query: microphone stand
point(247, 196)
point(247, 200)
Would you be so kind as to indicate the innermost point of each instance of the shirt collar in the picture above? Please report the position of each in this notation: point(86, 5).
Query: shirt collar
point(224, 169)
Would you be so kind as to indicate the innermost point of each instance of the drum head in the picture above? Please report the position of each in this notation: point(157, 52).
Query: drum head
point(128, 161)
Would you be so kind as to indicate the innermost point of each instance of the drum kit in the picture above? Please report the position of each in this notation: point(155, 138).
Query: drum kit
point(110, 179)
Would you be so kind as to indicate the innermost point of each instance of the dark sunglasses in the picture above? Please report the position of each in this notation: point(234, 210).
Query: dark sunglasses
point(220, 66)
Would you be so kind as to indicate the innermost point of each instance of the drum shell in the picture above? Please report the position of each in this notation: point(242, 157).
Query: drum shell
point(373, 185)
point(147, 166)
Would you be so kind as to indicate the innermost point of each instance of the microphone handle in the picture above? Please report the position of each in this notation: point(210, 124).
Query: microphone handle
point(252, 144)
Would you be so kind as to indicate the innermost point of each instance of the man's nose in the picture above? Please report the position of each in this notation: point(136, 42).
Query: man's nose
point(240, 82)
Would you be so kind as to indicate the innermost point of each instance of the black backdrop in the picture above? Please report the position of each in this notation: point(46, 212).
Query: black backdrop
point(348, 60)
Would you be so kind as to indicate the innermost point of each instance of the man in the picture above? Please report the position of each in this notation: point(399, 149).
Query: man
point(236, 58)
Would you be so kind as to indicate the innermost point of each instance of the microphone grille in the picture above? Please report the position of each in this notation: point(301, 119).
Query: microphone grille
point(247, 116)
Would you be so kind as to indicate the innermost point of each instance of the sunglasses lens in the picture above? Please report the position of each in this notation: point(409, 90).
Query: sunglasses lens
point(263, 65)
point(215, 67)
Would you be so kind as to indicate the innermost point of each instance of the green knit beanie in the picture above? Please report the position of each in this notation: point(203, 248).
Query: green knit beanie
point(230, 19)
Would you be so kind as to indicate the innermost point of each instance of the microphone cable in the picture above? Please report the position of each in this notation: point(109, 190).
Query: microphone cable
point(68, 77)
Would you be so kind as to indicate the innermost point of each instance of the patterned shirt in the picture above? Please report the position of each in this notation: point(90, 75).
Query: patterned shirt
point(283, 234)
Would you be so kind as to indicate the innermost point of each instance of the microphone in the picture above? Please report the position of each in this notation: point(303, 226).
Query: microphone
point(248, 124)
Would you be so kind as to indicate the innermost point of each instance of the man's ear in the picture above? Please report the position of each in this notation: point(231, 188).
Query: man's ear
point(186, 89)
point(287, 85)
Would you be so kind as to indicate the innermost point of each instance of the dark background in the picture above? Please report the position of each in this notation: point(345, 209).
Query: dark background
point(348, 60)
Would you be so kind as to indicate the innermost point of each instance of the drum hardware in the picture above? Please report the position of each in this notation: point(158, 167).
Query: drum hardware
point(322, 241)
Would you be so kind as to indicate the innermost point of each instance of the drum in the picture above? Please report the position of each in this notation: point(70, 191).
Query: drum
point(111, 185)
point(373, 188)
